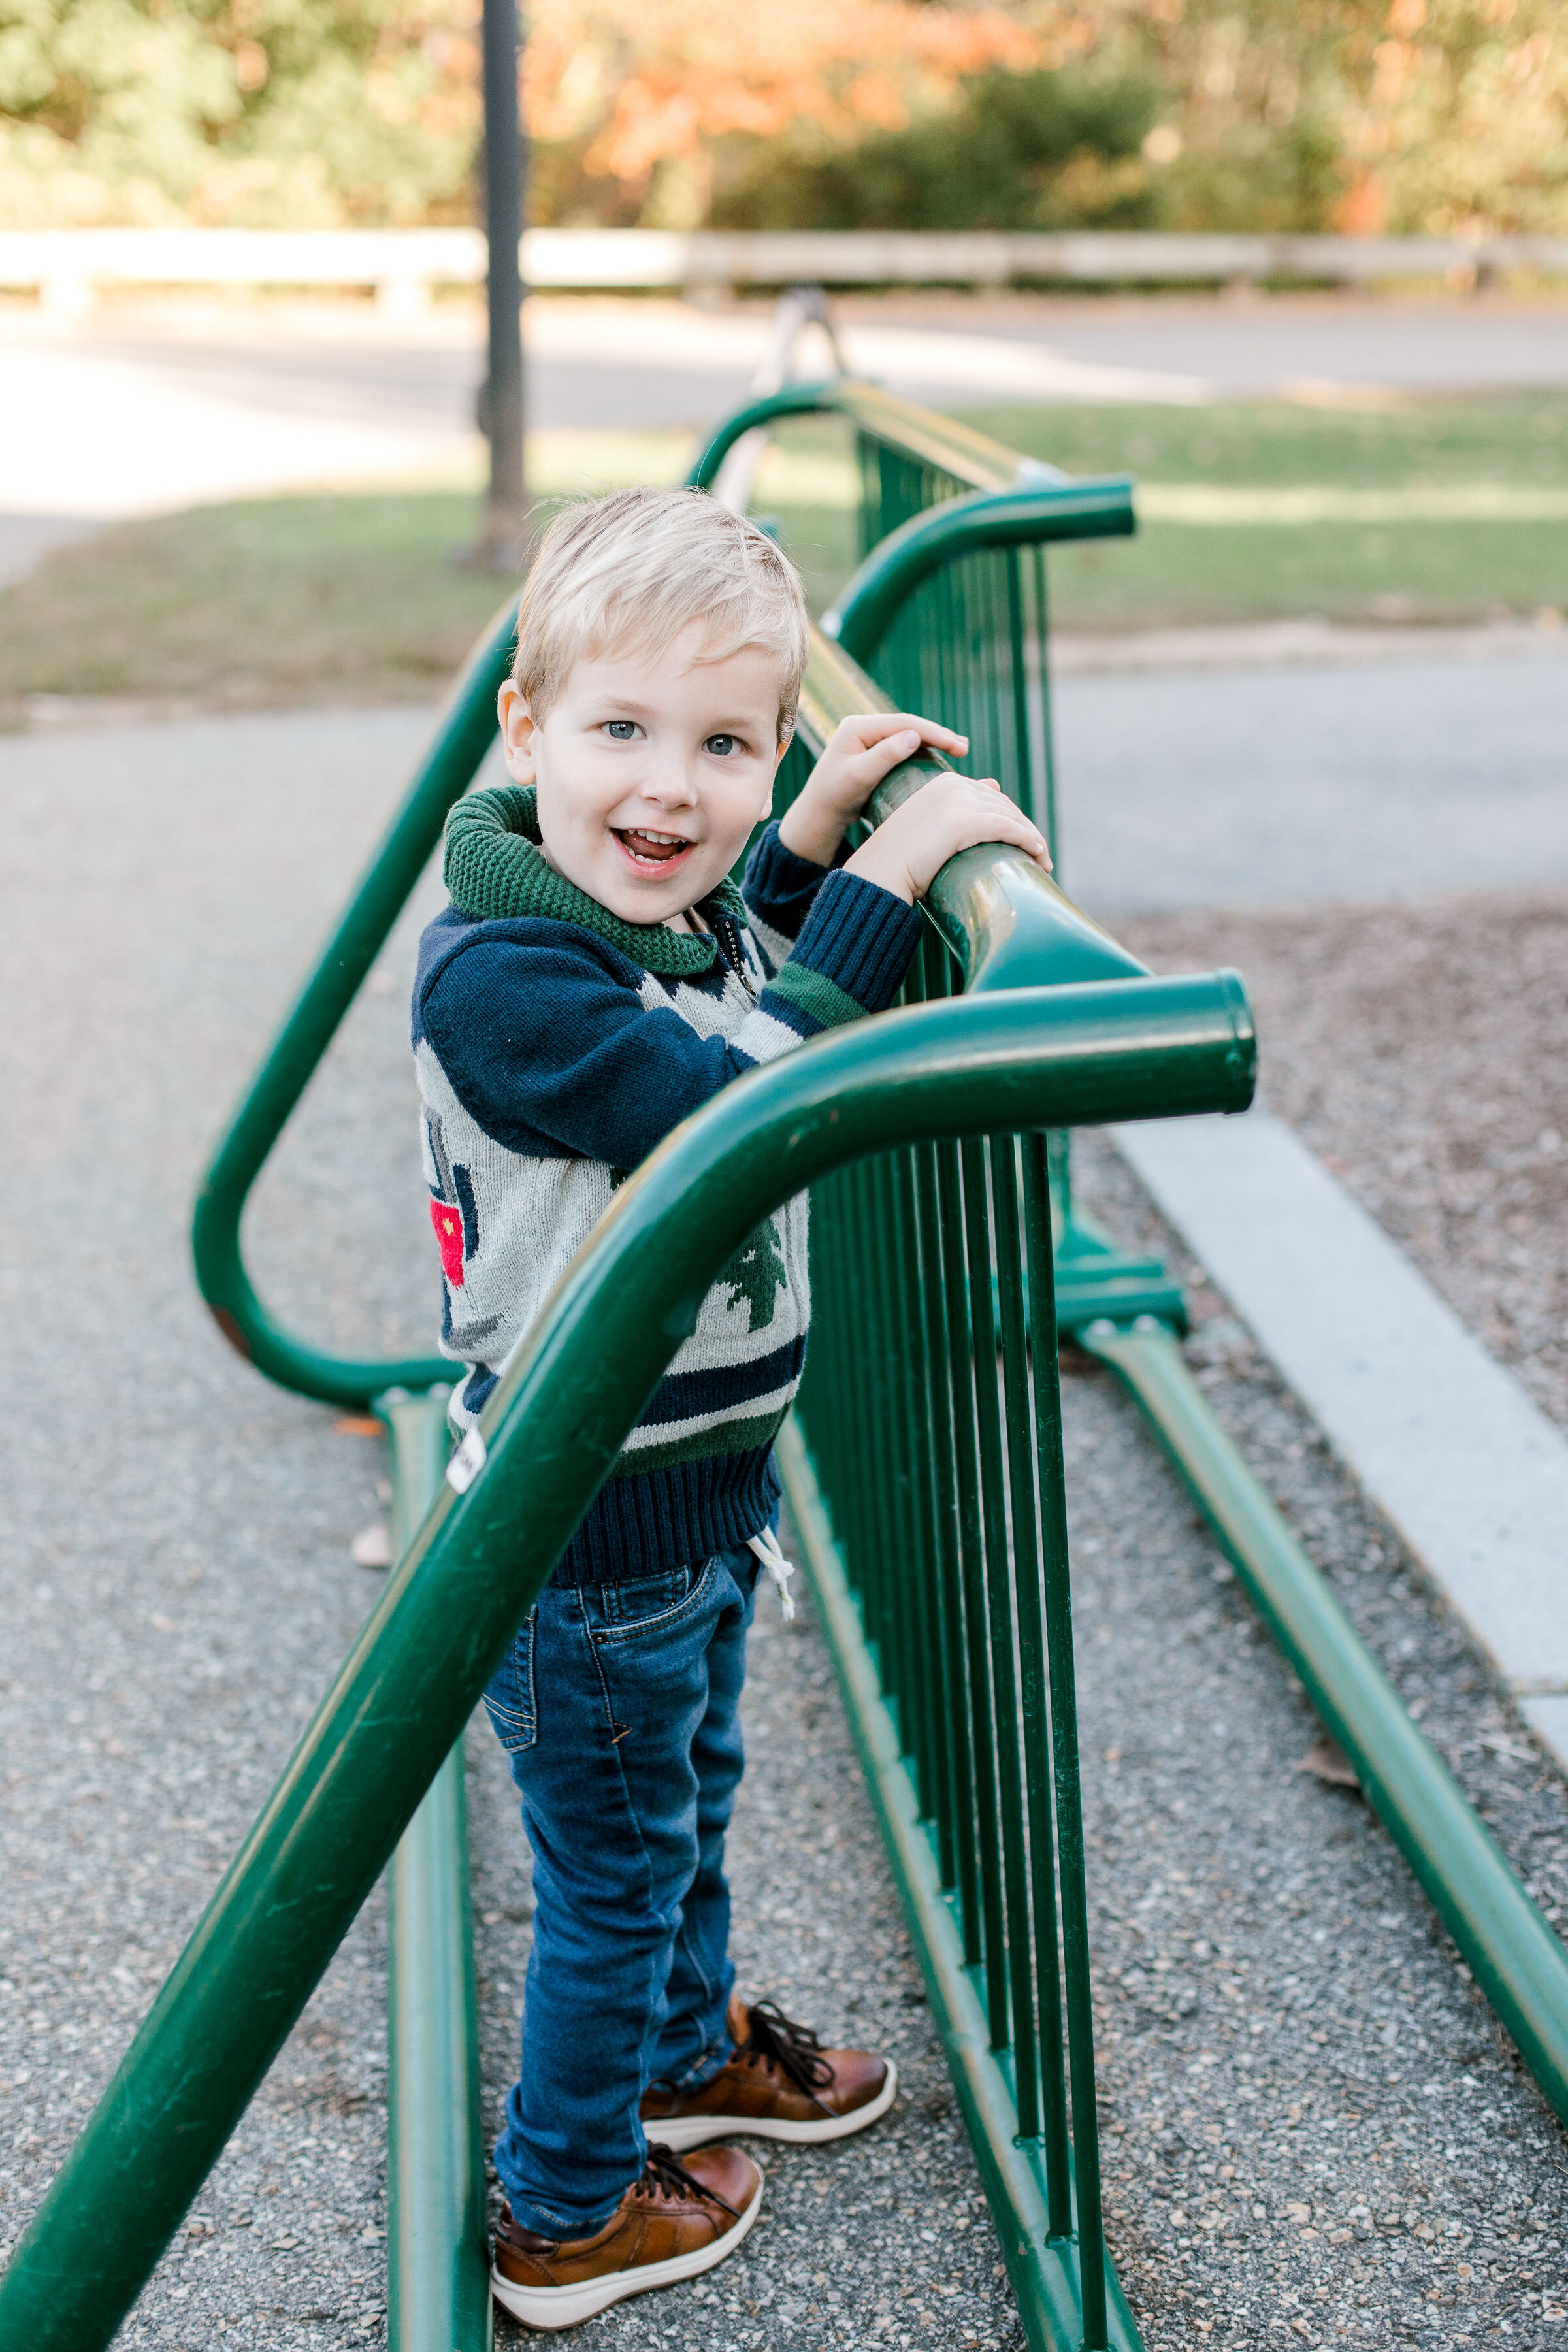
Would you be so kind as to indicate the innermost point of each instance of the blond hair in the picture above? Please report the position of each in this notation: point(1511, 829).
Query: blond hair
point(636, 568)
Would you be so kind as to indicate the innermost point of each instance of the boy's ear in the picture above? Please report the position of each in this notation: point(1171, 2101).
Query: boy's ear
point(518, 729)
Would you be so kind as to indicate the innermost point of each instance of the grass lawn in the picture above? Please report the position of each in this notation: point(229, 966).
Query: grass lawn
point(263, 601)
point(1437, 512)
point(1442, 509)
point(1434, 510)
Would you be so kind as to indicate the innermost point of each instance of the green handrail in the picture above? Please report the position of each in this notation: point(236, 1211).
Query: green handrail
point(1126, 1310)
point(918, 434)
point(437, 2267)
point(463, 735)
point(1026, 515)
point(553, 1429)
point(1008, 923)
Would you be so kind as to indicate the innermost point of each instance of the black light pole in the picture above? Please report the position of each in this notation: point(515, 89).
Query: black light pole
point(506, 509)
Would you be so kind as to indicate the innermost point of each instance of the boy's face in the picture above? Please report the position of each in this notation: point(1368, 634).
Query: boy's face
point(650, 775)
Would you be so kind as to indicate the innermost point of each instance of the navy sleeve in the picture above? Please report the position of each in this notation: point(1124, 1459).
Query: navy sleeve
point(780, 886)
point(548, 1043)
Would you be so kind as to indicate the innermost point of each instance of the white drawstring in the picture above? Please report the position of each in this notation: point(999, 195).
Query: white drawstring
point(766, 1547)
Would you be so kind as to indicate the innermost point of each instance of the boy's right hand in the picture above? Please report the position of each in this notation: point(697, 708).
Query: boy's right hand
point(910, 848)
point(861, 751)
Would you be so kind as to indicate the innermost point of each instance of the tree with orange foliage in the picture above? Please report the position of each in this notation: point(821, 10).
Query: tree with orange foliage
point(1440, 115)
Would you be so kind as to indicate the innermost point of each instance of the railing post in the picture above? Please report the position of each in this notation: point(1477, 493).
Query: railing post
point(437, 2262)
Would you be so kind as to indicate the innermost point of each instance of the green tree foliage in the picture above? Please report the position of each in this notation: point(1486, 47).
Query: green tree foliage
point(1018, 150)
point(305, 113)
point(1420, 117)
point(1431, 116)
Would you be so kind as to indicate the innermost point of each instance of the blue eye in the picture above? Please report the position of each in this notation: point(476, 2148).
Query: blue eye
point(620, 730)
point(722, 746)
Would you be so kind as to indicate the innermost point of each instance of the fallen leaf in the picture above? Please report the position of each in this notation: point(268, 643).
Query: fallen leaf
point(1327, 1760)
point(359, 1425)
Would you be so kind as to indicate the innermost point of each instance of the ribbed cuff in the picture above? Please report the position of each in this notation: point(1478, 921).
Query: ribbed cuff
point(780, 885)
point(861, 938)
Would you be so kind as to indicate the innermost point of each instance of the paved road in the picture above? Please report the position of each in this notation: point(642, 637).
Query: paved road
point(1247, 787)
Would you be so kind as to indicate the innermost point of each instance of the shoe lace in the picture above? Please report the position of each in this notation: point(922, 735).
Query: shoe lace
point(664, 2175)
point(779, 2041)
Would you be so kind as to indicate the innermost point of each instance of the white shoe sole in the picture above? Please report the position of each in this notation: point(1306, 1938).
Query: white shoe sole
point(683, 2132)
point(551, 2308)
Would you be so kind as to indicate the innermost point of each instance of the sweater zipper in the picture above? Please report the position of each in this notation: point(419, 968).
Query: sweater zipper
point(729, 937)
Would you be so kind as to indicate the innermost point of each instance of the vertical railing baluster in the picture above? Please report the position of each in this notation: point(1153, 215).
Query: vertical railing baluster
point(1051, 2119)
point(920, 1565)
point(989, 1940)
point(1012, 1963)
point(985, 672)
point(1018, 679)
point(933, 1434)
point(904, 1538)
point(891, 1537)
point(857, 1288)
point(838, 1386)
point(932, 981)
point(963, 1869)
point(1064, 1738)
point(1051, 821)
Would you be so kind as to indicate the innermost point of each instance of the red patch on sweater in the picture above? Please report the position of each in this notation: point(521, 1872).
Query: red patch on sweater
point(448, 1219)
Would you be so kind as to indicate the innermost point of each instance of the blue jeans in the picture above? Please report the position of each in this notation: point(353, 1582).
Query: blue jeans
point(618, 1705)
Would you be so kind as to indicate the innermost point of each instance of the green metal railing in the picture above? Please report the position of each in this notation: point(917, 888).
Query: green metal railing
point(949, 611)
point(437, 2257)
point(996, 1063)
point(1126, 1310)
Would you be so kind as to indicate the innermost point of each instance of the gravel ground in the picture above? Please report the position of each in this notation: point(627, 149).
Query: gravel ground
point(175, 1572)
point(1320, 2127)
point(1422, 1051)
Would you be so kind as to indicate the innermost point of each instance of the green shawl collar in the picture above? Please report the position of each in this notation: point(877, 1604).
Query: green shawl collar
point(494, 867)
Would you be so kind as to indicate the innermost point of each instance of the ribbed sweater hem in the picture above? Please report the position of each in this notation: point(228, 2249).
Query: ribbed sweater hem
point(654, 1519)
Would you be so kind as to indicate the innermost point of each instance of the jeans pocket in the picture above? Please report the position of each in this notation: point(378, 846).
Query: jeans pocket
point(509, 1697)
point(652, 1606)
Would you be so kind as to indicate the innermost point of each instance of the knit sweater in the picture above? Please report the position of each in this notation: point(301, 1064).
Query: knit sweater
point(557, 1046)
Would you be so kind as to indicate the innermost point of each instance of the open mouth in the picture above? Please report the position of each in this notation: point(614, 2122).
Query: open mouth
point(652, 853)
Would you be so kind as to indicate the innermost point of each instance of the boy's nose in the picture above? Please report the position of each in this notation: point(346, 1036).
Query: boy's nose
point(670, 784)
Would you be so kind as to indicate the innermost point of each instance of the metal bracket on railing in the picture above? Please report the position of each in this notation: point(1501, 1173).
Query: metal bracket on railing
point(798, 311)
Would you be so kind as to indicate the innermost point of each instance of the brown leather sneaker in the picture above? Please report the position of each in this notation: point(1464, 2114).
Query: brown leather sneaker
point(674, 2220)
point(780, 2083)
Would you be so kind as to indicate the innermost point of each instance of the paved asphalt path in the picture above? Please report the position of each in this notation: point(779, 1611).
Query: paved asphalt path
point(1311, 2125)
point(1251, 786)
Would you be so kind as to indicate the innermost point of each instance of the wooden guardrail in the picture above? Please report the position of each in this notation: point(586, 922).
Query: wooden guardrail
point(68, 267)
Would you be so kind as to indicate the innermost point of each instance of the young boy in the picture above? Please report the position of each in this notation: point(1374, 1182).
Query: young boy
point(597, 977)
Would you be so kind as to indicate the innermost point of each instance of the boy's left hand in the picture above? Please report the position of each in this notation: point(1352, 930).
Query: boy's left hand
point(861, 752)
